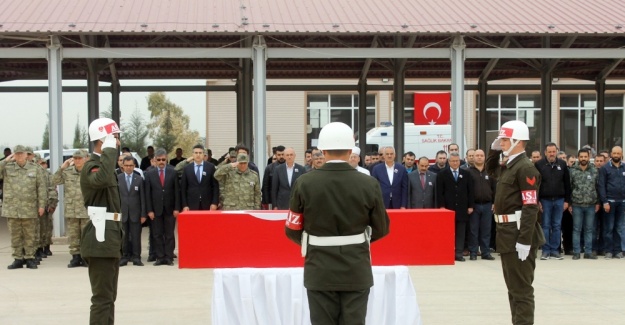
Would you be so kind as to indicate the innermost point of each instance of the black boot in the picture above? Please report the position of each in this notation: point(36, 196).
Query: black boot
point(31, 264)
point(47, 250)
point(17, 264)
point(41, 253)
point(75, 262)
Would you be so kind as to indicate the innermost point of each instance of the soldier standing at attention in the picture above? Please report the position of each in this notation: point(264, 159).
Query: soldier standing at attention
point(241, 188)
point(75, 211)
point(516, 213)
point(25, 196)
point(102, 236)
point(334, 213)
point(45, 222)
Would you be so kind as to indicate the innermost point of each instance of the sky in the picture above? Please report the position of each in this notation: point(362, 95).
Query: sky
point(24, 114)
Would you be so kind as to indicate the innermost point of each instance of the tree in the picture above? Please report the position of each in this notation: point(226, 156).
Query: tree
point(135, 134)
point(81, 139)
point(45, 142)
point(108, 113)
point(169, 126)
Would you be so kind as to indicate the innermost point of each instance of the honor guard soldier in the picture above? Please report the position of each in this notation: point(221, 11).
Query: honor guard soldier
point(101, 243)
point(516, 213)
point(75, 212)
point(334, 214)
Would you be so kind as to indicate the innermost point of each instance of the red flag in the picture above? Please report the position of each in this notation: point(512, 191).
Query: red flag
point(432, 108)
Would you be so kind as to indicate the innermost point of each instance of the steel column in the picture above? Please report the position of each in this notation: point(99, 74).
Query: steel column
point(260, 83)
point(245, 134)
point(546, 80)
point(399, 81)
point(481, 133)
point(115, 104)
point(457, 91)
point(362, 118)
point(600, 138)
point(55, 96)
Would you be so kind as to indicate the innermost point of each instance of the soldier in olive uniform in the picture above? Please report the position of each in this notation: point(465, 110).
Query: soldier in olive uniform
point(241, 188)
point(45, 222)
point(75, 211)
point(101, 243)
point(334, 213)
point(516, 213)
point(25, 195)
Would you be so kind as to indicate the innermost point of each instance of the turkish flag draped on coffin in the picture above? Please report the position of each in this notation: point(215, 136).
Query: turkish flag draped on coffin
point(432, 108)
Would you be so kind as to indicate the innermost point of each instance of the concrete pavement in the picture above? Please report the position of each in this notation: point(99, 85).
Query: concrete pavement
point(567, 292)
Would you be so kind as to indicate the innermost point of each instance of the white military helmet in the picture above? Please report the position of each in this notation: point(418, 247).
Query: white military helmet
point(516, 130)
point(102, 127)
point(336, 136)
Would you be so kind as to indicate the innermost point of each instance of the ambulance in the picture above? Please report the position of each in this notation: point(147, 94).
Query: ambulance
point(423, 140)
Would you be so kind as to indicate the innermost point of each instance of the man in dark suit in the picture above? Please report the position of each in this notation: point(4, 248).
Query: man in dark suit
point(393, 180)
point(268, 175)
point(283, 178)
point(163, 205)
point(199, 189)
point(145, 162)
point(132, 197)
point(422, 186)
point(454, 191)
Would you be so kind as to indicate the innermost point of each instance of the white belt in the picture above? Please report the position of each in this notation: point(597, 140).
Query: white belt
point(98, 216)
point(334, 240)
point(505, 218)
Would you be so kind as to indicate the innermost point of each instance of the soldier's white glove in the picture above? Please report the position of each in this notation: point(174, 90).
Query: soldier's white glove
point(496, 145)
point(109, 142)
point(523, 250)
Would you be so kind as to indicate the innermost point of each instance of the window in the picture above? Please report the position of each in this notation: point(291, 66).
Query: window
point(326, 108)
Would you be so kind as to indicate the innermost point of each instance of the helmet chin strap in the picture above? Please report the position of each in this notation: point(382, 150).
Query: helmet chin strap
point(513, 144)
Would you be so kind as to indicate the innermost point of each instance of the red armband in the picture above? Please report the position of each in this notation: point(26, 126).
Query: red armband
point(295, 221)
point(529, 197)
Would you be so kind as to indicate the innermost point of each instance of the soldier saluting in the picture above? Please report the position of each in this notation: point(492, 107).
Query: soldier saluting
point(334, 213)
point(516, 215)
point(102, 236)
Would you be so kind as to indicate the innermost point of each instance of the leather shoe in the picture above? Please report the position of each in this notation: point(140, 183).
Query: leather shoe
point(576, 256)
point(123, 262)
point(17, 264)
point(488, 257)
point(137, 262)
point(460, 259)
point(151, 258)
point(473, 258)
point(160, 261)
point(170, 262)
point(31, 264)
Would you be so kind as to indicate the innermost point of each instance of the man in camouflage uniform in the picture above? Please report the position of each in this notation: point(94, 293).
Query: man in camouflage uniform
point(241, 188)
point(46, 222)
point(75, 211)
point(25, 195)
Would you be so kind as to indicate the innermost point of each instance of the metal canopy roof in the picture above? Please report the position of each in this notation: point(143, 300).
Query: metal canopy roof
point(310, 25)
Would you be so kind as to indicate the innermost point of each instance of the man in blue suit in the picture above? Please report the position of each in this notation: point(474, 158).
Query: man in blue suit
point(393, 180)
point(199, 189)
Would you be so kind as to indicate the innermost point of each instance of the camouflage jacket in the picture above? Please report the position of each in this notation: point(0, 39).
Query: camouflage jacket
point(74, 202)
point(53, 195)
point(241, 190)
point(25, 190)
point(584, 185)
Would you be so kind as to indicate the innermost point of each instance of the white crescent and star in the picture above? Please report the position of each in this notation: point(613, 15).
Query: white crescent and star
point(434, 105)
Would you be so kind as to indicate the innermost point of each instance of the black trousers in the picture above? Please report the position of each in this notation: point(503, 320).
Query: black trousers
point(338, 307)
point(103, 275)
point(132, 239)
point(461, 230)
point(519, 276)
point(164, 241)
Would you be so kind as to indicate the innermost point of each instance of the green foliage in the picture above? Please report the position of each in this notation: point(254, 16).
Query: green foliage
point(135, 134)
point(45, 142)
point(169, 126)
point(81, 137)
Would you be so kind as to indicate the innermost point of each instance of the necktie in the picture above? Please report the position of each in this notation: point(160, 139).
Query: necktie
point(162, 176)
point(422, 180)
point(128, 181)
point(456, 175)
point(198, 174)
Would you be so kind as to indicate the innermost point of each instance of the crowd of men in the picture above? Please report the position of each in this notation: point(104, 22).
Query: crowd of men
point(582, 203)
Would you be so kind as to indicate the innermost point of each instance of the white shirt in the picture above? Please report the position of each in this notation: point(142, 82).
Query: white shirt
point(390, 171)
point(289, 173)
point(363, 170)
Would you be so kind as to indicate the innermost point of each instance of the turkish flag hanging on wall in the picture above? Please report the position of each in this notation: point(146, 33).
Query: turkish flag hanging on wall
point(432, 108)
